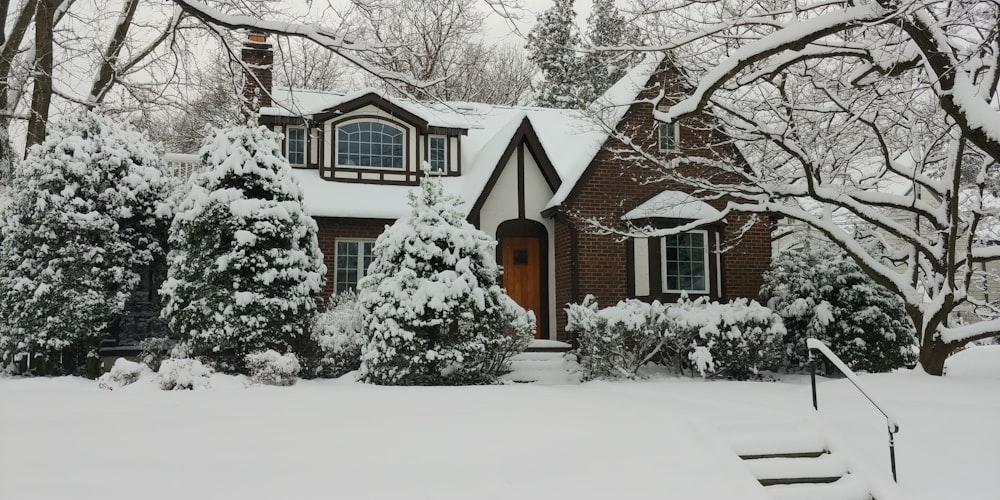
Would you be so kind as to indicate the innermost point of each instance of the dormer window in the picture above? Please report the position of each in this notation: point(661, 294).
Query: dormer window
point(295, 142)
point(437, 153)
point(370, 144)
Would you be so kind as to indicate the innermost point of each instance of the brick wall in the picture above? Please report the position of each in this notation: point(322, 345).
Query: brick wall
point(331, 229)
point(617, 180)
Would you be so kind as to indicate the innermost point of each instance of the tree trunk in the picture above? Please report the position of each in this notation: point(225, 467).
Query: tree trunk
point(933, 353)
point(41, 94)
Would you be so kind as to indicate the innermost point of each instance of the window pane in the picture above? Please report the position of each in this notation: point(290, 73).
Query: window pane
point(684, 262)
point(296, 145)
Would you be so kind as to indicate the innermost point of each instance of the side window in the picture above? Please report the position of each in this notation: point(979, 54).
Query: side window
point(351, 263)
point(685, 262)
point(437, 153)
point(296, 141)
point(668, 136)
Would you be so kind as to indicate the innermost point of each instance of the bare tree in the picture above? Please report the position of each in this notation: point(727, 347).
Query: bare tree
point(856, 121)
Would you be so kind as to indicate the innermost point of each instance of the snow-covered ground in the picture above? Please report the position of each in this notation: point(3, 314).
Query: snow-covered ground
point(65, 438)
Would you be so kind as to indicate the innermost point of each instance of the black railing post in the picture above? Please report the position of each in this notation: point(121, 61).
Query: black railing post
point(812, 376)
point(892, 453)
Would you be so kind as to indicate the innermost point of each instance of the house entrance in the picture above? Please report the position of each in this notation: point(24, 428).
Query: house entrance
point(524, 272)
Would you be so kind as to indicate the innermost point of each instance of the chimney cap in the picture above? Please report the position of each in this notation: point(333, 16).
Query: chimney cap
point(257, 37)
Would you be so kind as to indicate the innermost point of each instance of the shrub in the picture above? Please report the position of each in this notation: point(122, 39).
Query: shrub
point(155, 350)
point(734, 340)
point(88, 211)
point(821, 293)
point(616, 341)
point(270, 368)
point(432, 308)
point(245, 268)
point(183, 374)
point(337, 331)
point(123, 372)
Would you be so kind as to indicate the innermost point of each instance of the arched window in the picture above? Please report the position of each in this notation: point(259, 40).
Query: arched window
point(370, 144)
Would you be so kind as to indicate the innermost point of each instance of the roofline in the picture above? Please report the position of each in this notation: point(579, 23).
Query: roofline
point(374, 99)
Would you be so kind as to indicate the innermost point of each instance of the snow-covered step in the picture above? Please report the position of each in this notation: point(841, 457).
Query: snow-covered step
point(849, 487)
point(825, 468)
point(552, 368)
point(791, 440)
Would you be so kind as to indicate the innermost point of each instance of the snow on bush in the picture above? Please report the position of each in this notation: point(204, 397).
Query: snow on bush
point(271, 368)
point(616, 341)
point(734, 340)
point(245, 269)
point(338, 333)
point(155, 350)
point(124, 372)
point(821, 293)
point(432, 308)
point(981, 361)
point(183, 374)
point(89, 208)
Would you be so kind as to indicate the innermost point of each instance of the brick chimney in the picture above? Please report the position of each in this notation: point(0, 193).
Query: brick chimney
point(258, 57)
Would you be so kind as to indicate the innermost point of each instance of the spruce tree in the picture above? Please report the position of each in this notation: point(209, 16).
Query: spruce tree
point(432, 308)
point(552, 45)
point(244, 269)
point(86, 207)
point(821, 293)
point(606, 27)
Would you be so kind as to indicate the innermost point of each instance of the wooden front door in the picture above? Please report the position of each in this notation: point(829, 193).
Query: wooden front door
point(522, 273)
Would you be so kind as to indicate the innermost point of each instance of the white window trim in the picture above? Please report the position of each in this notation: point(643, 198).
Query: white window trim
point(676, 134)
point(663, 265)
point(305, 145)
point(444, 168)
point(336, 141)
point(361, 258)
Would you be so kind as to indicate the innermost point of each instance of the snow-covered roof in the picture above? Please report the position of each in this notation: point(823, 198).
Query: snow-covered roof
point(672, 205)
point(570, 139)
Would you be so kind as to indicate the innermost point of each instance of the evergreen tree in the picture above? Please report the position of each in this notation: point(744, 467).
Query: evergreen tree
point(432, 308)
point(552, 45)
point(86, 207)
point(245, 268)
point(606, 27)
point(821, 293)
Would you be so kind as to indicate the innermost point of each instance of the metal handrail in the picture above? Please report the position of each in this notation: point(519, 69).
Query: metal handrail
point(814, 344)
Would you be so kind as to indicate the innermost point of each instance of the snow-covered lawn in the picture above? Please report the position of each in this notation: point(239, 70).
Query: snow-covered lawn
point(65, 438)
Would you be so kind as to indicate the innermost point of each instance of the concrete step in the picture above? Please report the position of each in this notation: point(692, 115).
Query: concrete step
point(825, 468)
point(848, 487)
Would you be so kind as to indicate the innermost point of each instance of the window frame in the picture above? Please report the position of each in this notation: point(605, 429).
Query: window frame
point(361, 269)
point(707, 265)
point(289, 141)
point(430, 149)
point(674, 135)
point(403, 133)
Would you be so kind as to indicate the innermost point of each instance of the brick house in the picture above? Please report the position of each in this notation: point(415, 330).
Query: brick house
point(529, 177)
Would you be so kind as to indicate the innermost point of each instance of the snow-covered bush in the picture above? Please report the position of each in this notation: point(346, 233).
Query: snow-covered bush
point(88, 210)
point(616, 341)
point(123, 372)
point(338, 333)
point(734, 340)
point(245, 269)
point(271, 368)
point(155, 350)
point(183, 374)
point(432, 308)
point(821, 293)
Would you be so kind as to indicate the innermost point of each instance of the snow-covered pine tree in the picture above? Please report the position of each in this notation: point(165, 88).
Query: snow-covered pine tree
point(821, 293)
point(87, 205)
point(432, 308)
point(552, 45)
point(606, 27)
point(245, 269)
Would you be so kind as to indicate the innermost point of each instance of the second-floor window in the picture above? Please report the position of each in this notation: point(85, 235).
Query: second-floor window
point(296, 145)
point(437, 150)
point(370, 144)
point(668, 136)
